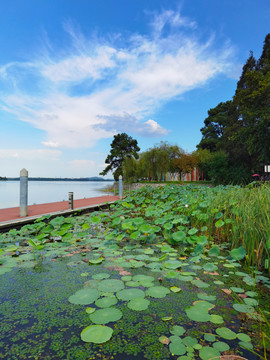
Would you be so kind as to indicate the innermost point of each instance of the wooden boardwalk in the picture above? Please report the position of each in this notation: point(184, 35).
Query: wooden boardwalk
point(12, 215)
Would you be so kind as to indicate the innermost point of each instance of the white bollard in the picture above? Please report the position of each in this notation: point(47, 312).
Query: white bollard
point(23, 192)
point(120, 187)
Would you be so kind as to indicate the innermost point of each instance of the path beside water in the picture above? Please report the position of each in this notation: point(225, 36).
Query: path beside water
point(11, 214)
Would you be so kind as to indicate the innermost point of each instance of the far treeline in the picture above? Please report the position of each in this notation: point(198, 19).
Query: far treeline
point(235, 138)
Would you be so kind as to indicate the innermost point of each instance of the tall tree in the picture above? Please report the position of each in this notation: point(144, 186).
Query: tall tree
point(122, 147)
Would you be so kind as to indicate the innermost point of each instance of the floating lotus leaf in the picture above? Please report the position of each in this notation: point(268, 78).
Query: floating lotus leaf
point(142, 278)
point(90, 310)
point(190, 341)
point(214, 251)
point(96, 261)
point(84, 296)
point(207, 297)
point(240, 273)
point(246, 345)
point(229, 265)
point(238, 254)
point(175, 338)
point(210, 337)
point(188, 273)
point(111, 285)
point(106, 301)
point(167, 318)
point(177, 330)
point(249, 281)
point(226, 333)
point(243, 308)
point(179, 236)
point(199, 283)
point(173, 264)
point(91, 284)
point(157, 292)
point(84, 274)
point(138, 304)
point(216, 319)
point(251, 293)
point(237, 290)
point(204, 305)
point(126, 278)
point(177, 348)
point(164, 340)
point(218, 282)
point(104, 316)
point(221, 346)
point(243, 337)
point(129, 294)
point(133, 283)
point(251, 302)
point(97, 334)
point(101, 276)
point(196, 313)
point(210, 267)
point(208, 352)
point(175, 289)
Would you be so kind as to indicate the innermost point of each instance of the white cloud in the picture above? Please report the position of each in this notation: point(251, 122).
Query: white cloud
point(97, 88)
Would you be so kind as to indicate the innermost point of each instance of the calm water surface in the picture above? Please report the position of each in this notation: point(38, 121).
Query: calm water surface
point(40, 192)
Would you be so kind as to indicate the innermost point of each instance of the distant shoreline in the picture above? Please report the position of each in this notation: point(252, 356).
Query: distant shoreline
point(60, 179)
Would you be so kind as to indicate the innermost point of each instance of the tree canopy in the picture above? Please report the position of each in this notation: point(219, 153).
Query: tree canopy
point(240, 127)
point(122, 147)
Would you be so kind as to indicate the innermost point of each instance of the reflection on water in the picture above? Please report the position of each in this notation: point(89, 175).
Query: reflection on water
point(40, 192)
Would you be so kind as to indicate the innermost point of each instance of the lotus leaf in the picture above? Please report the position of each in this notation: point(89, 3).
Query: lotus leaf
point(164, 340)
point(84, 296)
point(199, 283)
point(208, 352)
point(237, 290)
point(243, 337)
point(177, 348)
point(246, 345)
point(190, 341)
point(138, 304)
point(218, 282)
point(196, 313)
point(214, 251)
point(243, 308)
point(226, 333)
point(210, 267)
point(101, 276)
point(251, 293)
point(207, 297)
point(106, 301)
point(167, 318)
point(157, 292)
point(129, 294)
point(249, 281)
point(210, 337)
point(104, 316)
point(111, 285)
point(185, 278)
point(175, 338)
point(179, 236)
point(97, 334)
point(97, 261)
point(90, 310)
point(177, 330)
point(142, 278)
point(216, 319)
point(175, 289)
point(251, 302)
point(133, 283)
point(238, 254)
point(221, 346)
point(173, 264)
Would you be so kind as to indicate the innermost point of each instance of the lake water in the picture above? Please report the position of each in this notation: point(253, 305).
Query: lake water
point(40, 192)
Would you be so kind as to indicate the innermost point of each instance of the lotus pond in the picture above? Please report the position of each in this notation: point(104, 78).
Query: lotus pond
point(153, 277)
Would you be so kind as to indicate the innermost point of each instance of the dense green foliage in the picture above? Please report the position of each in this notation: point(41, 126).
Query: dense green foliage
point(240, 128)
point(165, 272)
point(122, 147)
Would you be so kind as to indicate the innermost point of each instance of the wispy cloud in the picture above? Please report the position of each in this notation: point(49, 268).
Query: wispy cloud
point(99, 87)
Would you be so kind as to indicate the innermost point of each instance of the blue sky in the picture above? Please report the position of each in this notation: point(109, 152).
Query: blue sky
point(75, 73)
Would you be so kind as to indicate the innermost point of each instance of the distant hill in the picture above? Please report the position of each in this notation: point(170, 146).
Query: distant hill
point(95, 178)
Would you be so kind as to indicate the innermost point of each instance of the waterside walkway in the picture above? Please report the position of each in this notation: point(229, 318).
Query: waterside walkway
point(11, 216)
